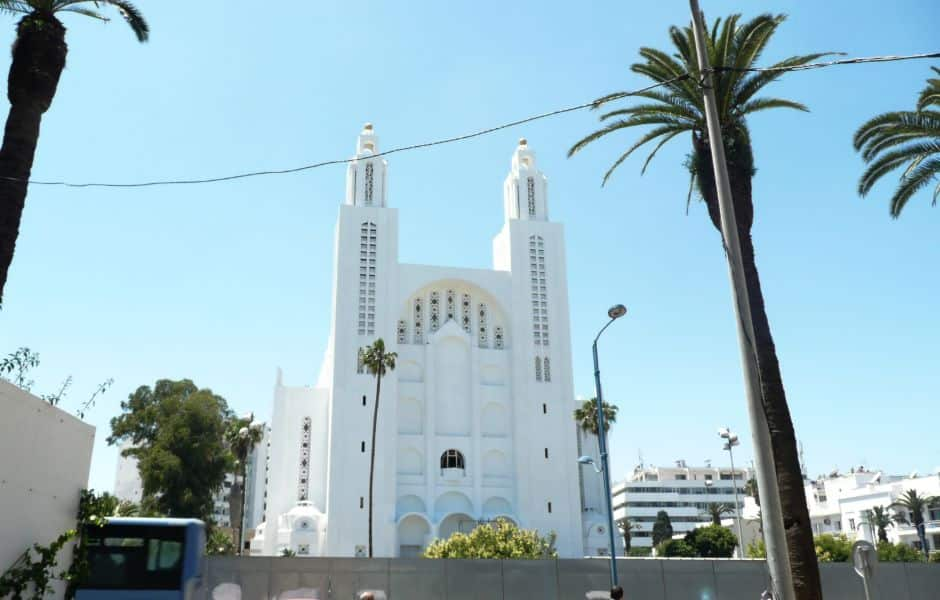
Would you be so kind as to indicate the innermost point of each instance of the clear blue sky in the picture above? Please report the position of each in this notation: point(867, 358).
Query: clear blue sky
point(223, 283)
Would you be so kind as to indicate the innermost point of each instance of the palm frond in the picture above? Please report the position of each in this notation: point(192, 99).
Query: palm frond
point(15, 7)
point(887, 126)
point(86, 12)
point(767, 103)
point(930, 96)
point(666, 132)
point(653, 109)
point(748, 86)
point(135, 19)
point(651, 119)
point(913, 182)
point(889, 161)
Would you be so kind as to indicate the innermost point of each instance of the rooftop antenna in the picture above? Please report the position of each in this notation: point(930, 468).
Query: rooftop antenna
point(639, 455)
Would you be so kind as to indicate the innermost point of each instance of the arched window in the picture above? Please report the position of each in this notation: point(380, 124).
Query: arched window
point(452, 459)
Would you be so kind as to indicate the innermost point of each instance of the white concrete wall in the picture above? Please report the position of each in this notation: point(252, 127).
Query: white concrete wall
point(45, 454)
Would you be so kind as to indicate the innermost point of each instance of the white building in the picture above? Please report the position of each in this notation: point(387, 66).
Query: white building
point(683, 492)
point(474, 423)
point(593, 503)
point(837, 502)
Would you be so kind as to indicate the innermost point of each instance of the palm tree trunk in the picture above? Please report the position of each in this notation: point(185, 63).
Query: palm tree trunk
point(375, 418)
point(241, 517)
point(38, 59)
point(800, 547)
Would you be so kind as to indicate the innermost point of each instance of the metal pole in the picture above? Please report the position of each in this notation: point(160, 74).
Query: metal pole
point(778, 562)
point(602, 446)
point(737, 507)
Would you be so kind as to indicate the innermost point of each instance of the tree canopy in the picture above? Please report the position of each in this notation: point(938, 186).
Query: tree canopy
point(586, 416)
point(712, 541)
point(500, 539)
point(662, 528)
point(177, 434)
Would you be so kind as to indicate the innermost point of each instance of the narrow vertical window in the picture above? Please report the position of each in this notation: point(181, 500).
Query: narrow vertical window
point(451, 307)
point(539, 290)
point(465, 304)
point(498, 341)
point(530, 184)
point(360, 364)
point(544, 409)
point(538, 368)
point(549, 507)
point(369, 180)
point(402, 332)
point(547, 368)
point(435, 311)
point(362, 446)
point(546, 453)
point(304, 471)
point(361, 502)
point(367, 270)
point(483, 332)
point(363, 400)
point(419, 320)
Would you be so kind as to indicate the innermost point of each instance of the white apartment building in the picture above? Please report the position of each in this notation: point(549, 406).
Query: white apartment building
point(683, 492)
point(836, 503)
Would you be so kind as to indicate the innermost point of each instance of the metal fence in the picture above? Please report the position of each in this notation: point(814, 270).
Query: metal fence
point(643, 579)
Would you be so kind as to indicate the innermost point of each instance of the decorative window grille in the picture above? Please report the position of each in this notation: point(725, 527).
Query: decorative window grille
point(465, 305)
point(369, 179)
point(419, 320)
point(498, 338)
point(367, 258)
point(483, 332)
point(303, 549)
point(451, 308)
point(435, 311)
point(531, 189)
point(547, 368)
point(402, 332)
point(539, 291)
point(303, 476)
point(360, 362)
point(452, 459)
point(538, 368)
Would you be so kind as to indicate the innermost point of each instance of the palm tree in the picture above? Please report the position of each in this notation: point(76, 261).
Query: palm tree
point(904, 138)
point(38, 59)
point(242, 435)
point(916, 505)
point(716, 510)
point(586, 416)
point(881, 519)
point(678, 107)
point(377, 361)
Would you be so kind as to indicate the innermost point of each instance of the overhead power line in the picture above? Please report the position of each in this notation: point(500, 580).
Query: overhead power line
point(481, 132)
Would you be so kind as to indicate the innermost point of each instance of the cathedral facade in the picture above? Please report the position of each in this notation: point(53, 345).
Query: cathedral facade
point(475, 422)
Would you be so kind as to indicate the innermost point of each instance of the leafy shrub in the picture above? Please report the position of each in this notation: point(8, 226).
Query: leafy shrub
point(757, 549)
point(888, 552)
point(501, 539)
point(640, 551)
point(935, 557)
point(676, 549)
point(712, 541)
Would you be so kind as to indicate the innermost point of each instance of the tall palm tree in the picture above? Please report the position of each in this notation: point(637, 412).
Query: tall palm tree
point(905, 138)
point(586, 416)
point(716, 510)
point(677, 108)
point(378, 362)
point(242, 435)
point(38, 59)
point(916, 505)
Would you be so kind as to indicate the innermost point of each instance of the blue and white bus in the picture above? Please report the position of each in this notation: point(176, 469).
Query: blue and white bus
point(144, 558)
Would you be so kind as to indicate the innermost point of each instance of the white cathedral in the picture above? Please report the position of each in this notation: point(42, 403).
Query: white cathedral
point(475, 423)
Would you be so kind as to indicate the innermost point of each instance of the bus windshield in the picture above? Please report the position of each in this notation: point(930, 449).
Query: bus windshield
point(136, 557)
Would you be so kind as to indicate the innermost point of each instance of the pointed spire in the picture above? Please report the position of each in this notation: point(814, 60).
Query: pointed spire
point(525, 189)
point(365, 176)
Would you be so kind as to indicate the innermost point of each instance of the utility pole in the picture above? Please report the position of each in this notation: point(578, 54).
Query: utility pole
point(778, 561)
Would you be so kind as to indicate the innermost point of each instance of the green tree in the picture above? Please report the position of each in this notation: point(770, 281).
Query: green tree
point(241, 436)
point(880, 519)
point(662, 528)
point(500, 539)
point(833, 548)
point(625, 526)
point(716, 510)
point(909, 139)
point(219, 543)
point(38, 59)
point(675, 549)
point(678, 108)
point(377, 360)
point(586, 416)
point(888, 552)
point(916, 505)
point(757, 549)
point(176, 431)
point(712, 541)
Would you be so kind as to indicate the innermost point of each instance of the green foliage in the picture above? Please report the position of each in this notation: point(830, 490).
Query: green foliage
point(916, 506)
point(16, 366)
point(934, 557)
point(287, 553)
point(586, 415)
point(888, 552)
point(219, 543)
point(757, 549)
point(241, 437)
point(716, 510)
point(909, 139)
point(639, 551)
point(833, 548)
point(712, 541)
point(879, 518)
point(500, 539)
point(377, 361)
point(675, 549)
point(662, 528)
point(177, 434)
point(678, 107)
point(34, 570)
point(127, 10)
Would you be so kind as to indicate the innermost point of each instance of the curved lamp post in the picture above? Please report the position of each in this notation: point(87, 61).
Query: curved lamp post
point(731, 440)
point(614, 313)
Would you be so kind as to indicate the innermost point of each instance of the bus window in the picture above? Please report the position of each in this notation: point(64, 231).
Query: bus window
point(138, 557)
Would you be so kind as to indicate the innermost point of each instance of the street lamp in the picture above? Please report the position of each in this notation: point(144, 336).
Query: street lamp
point(731, 440)
point(615, 312)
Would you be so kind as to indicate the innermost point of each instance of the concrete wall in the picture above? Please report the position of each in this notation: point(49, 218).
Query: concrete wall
point(643, 579)
point(45, 454)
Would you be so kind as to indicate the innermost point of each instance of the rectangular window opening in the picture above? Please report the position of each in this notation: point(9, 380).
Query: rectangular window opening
point(361, 502)
point(546, 453)
point(363, 400)
point(544, 409)
point(549, 507)
point(363, 446)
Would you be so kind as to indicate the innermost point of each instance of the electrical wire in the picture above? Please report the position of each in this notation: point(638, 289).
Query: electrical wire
point(592, 104)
